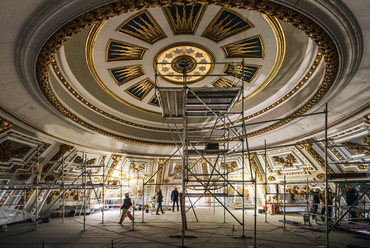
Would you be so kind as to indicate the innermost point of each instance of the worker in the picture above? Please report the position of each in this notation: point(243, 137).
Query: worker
point(126, 209)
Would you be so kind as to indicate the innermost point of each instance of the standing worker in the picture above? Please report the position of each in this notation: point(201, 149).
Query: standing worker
point(315, 201)
point(175, 198)
point(126, 209)
point(159, 200)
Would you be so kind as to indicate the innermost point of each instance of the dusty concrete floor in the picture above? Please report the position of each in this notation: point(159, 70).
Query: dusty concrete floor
point(210, 231)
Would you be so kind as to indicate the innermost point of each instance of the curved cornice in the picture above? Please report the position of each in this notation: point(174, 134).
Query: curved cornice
point(341, 25)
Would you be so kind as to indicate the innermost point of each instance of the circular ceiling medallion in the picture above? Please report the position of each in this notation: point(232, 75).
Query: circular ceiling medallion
point(184, 62)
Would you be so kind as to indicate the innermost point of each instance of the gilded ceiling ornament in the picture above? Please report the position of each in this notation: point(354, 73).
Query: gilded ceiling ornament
point(358, 149)
point(78, 160)
point(161, 163)
point(141, 89)
point(255, 166)
point(119, 51)
point(271, 178)
point(204, 164)
point(225, 24)
point(365, 117)
point(308, 147)
point(142, 26)
point(184, 19)
point(251, 47)
point(178, 168)
point(91, 161)
point(63, 148)
point(223, 82)
point(115, 160)
point(8, 150)
point(184, 58)
point(137, 169)
point(278, 173)
point(287, 162)
point(229, 167)
point(247, 72)
point(154, 100)
point(4, 124)
point(124, 74)
point(304, 170)
point(320, 176)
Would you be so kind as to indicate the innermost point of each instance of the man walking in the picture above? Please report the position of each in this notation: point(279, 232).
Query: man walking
point(175, 198)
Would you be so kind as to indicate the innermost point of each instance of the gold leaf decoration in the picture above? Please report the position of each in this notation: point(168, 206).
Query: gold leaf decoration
point(271, 178)
point(223, 82)
point(320, 176)
point(124, 74)
point(141, 89)
point(142, 26)
point(226, 23)
point(288, 162)
point(251, 47)
point(137, 169)
point(119, 50)
point(231, 167)
point(184, 19)
point(4, 124)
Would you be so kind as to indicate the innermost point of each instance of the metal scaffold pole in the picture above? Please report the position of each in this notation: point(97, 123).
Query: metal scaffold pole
point(142, 219)
point(63, 196)
point(244, 134)
point(84, 196)
point(103, 193)
point(336, 205)
point(224, 160)
point(326, 176)
point(255, 211)
point(265, 184)
point(184, 167)
point(121, 191)
point(37, 199)
point(38, 174)
point(284, 202)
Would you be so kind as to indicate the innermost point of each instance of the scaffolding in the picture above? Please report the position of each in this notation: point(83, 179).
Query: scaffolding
point(186, 103)
point(182, 104)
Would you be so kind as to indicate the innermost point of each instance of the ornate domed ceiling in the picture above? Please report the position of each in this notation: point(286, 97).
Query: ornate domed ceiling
point(98, 71)
point(125, 57)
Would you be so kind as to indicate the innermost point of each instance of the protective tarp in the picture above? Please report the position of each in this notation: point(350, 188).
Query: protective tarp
point(9, 215)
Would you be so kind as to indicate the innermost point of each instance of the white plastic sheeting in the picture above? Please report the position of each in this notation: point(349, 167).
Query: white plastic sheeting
point(9, 215)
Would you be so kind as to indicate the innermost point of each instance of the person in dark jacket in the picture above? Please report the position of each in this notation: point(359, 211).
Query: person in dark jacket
point(126, 209)
point(159, 200)
point(316, 202)
point(351, 198)
point(330, 205)
point(175, 198)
